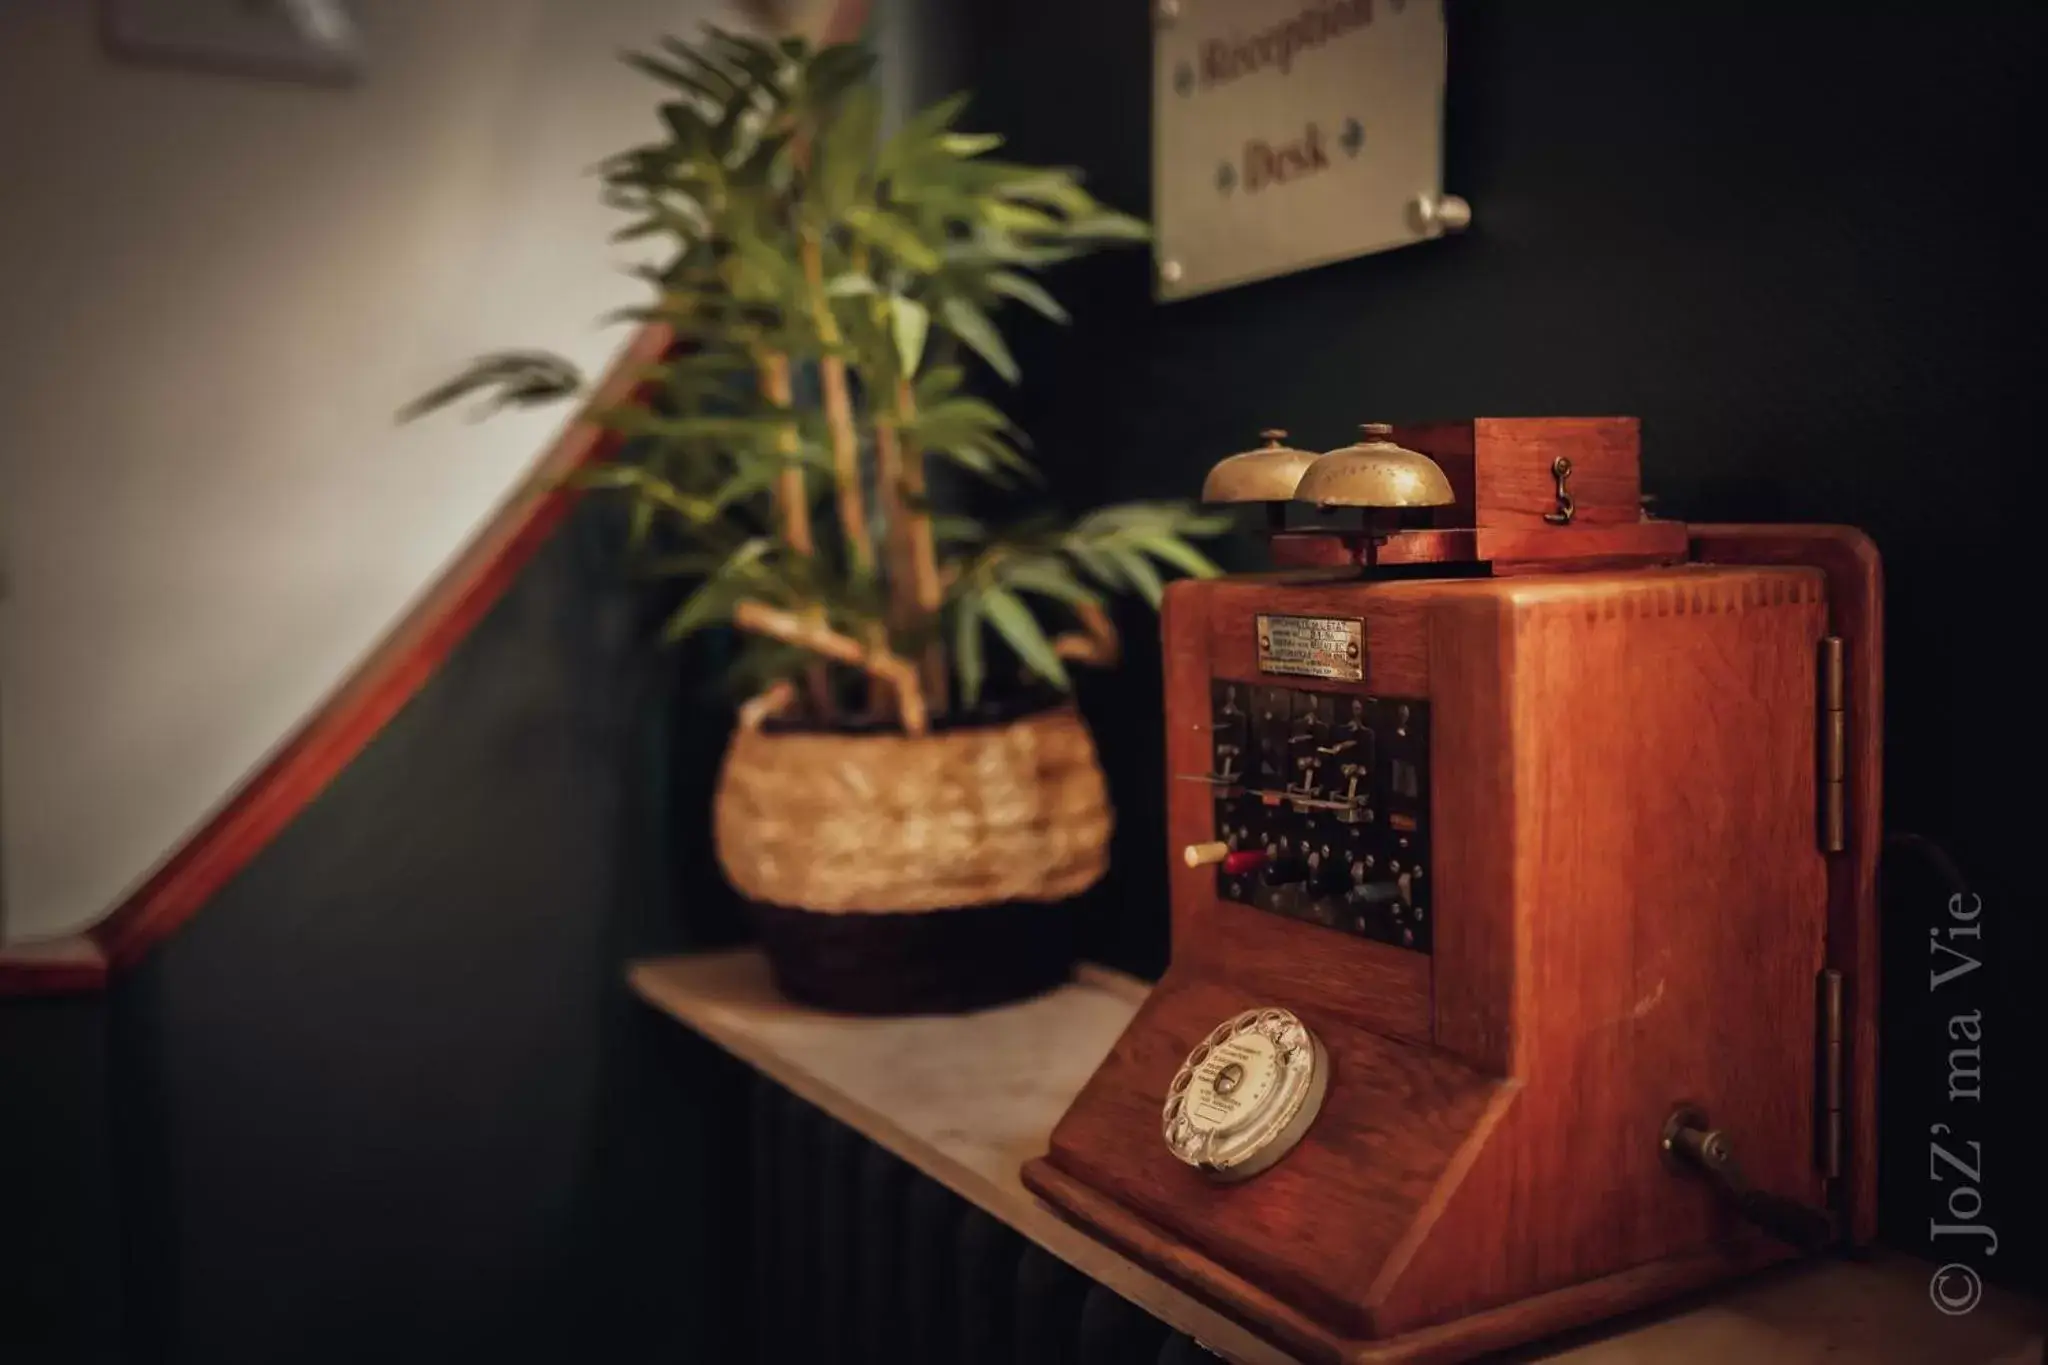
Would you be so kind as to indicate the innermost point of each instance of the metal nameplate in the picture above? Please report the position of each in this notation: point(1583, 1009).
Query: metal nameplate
point(1312, 647)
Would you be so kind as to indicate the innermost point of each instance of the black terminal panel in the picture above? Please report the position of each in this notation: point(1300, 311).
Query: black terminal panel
point(1323, 800)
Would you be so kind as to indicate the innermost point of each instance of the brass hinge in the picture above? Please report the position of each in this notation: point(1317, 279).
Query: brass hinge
point(1834, 745)
point(1828, 1130)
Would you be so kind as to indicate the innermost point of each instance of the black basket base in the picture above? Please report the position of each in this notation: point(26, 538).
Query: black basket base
point(931, 962)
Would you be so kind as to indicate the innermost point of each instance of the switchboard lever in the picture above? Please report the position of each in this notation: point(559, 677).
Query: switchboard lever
point(1708, 1150)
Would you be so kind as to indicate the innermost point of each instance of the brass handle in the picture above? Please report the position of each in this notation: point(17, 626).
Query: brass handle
point(1561, 470)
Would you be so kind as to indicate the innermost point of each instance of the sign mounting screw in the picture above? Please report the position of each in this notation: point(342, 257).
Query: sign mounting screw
point(1435, 214)
point(1170, 271)
point(1168, 11)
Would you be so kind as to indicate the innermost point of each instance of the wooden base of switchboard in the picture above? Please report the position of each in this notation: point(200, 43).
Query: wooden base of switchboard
point(1462, 1339)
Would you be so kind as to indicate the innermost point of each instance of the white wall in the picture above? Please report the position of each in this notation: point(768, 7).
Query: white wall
point(214, 293)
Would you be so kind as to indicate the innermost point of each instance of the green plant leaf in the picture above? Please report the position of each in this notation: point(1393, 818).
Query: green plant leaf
point(763, 272)
point(1099, 564)
point(639, 523)
point(1180, 554)
point(744, 484)
point(708, 603)
point(967, 656)
point(761, 63)
point(1047, 577)
point(894, 234)
point(1109, 226)
point(969, 144)
point(972, 457)
point(833, 70)
point(846, 150)
point(909, 321)
point(1139, 571)
point(716, 76)
point(938, 383)
point(751, 431)
point(960, 415)
point(667, 73)
point(646, 484)
point(919, 131)
point(1054, 189)
point(972, 326)
point(510, 378)
point(1015, 623)
point(852, 284)
point(1019, 218)
point(1028, 292)
point(713, 599)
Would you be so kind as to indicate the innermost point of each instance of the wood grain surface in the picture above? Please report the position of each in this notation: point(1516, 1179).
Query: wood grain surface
point(1506, 550)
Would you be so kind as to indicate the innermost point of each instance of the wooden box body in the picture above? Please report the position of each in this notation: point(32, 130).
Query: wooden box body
point(1630, 910)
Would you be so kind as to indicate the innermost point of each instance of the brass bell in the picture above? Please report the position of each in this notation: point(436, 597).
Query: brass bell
point(1268, 474)
point(1374, 473)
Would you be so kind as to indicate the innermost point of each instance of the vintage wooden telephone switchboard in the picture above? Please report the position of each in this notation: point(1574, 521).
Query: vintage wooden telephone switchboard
point(1524, 957)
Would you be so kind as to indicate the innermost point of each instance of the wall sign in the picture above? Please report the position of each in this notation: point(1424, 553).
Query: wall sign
point(316, 40)
point(1292, 133)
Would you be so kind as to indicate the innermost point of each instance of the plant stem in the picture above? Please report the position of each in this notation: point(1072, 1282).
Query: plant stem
point(895, 548)
point(878, 662)
point(792, 509)
point(792, 505)
point(853, 522)
point(920, 549)
point(1095, 643)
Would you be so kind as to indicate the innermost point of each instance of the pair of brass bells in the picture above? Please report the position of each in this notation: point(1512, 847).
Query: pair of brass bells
point(1373, 473)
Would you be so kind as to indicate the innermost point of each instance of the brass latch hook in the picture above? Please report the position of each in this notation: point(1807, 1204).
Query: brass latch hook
point(1561, 470)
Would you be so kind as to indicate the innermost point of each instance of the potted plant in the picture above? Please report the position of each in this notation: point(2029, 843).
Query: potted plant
point(907, 832)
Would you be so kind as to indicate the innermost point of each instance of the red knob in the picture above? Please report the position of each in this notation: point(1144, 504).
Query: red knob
point(1246, 860)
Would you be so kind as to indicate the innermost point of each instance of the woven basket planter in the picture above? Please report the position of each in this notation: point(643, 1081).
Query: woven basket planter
point(892, 874)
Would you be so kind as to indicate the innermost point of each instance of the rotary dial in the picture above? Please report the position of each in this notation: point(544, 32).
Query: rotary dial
point(1246, 1094)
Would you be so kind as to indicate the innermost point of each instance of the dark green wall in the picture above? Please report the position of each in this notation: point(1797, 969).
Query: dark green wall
point(388, 1097)
point(60, 1268)
point(389, 1094)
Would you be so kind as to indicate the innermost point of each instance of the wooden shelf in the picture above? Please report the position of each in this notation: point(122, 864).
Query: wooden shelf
point(968, 1099)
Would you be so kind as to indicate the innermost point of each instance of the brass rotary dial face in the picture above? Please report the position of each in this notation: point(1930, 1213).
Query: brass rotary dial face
point(1246, 1094)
